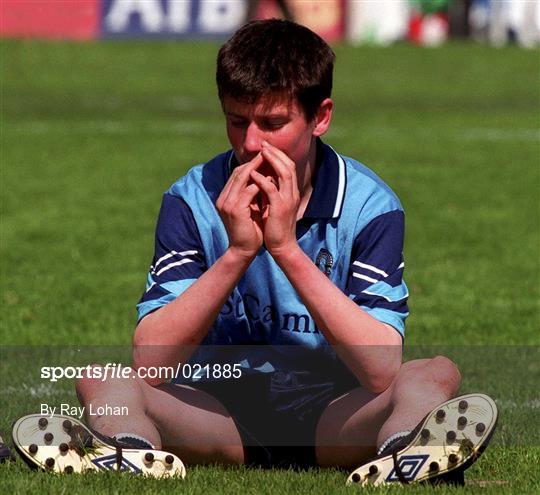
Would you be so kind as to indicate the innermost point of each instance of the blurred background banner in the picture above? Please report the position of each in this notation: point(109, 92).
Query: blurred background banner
point(91, 19)
point(425, 22)
point(171, 18)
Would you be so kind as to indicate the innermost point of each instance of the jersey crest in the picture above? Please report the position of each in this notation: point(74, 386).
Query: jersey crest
point(325, 261)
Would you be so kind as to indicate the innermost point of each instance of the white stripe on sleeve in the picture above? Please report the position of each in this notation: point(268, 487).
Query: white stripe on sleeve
point(371, 268)
point(171, 265)
point(170, 255)
point(364, 277)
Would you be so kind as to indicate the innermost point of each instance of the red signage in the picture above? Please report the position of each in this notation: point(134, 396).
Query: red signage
point(69, 19)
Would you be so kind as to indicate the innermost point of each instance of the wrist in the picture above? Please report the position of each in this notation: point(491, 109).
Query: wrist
point(239, 257)
point(287, 256)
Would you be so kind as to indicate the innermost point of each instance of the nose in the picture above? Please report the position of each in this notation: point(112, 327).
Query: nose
point(253, 139)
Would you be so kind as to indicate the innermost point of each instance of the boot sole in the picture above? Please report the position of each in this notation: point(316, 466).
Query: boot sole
point(46, 443)
point(450, 438)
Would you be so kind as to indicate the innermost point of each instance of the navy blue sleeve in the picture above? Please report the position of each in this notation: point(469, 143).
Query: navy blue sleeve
point(376, 272)
point(178, 256)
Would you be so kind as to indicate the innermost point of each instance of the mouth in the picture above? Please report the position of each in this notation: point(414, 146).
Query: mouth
point(268, 171)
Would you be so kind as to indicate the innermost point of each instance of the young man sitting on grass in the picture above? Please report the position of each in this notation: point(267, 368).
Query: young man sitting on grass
point(289, 255)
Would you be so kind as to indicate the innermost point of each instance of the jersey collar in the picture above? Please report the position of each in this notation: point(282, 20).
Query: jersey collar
point(329, 183)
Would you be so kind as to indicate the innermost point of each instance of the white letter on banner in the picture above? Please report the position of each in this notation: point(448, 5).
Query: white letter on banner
point(221, 16)
point(150, 13)
point(178, 20)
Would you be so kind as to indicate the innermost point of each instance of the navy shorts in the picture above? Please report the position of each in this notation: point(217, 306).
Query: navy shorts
point(277, 413)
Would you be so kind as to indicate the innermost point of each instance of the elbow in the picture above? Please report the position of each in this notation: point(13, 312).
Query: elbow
point(139, 337)
point(139, 356)
point(379, 380)
point(139, 347)
point(145, 359)
point(144, 354)
point(147, 342)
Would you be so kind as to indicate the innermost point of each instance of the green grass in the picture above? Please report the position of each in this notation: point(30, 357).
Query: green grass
point(214, 480)
point(92, 134)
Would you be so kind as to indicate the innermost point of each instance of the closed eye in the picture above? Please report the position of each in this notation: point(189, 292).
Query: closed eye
point(273, 124)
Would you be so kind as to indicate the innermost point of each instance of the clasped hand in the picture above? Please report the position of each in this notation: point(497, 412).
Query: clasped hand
point(257, 208)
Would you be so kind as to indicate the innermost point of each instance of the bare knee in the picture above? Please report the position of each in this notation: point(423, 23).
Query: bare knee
point(448, 373)
point(439, 372)
point(96, 383)
point(443, 372)
point(87, 385)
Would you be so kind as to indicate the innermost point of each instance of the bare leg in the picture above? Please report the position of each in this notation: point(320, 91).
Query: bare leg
point(420, 386)
point(184, 421)
point(352, 426)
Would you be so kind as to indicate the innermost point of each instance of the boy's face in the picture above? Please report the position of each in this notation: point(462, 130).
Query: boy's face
point(279, 121)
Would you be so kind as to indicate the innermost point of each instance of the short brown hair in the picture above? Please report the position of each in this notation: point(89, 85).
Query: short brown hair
point(278, 57)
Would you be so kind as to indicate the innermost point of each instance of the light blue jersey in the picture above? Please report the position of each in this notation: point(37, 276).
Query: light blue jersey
point(352, 229)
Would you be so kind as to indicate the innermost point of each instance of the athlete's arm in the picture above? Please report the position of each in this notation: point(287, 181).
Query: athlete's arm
point(170, 334)
point(371, 349)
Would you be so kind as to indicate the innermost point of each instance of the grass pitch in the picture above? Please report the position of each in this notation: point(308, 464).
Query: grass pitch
point(92, 134)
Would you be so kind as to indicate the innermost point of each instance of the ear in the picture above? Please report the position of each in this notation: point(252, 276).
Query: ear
point(323, 117)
